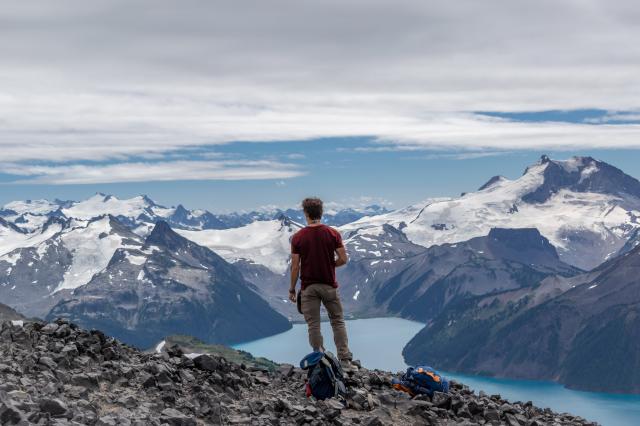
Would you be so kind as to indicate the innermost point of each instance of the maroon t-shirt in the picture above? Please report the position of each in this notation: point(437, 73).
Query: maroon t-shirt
point(316, 246)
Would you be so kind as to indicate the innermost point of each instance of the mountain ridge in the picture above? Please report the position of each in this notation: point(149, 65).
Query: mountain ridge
point(587, 221)
point(591, 322)
point(170, 285)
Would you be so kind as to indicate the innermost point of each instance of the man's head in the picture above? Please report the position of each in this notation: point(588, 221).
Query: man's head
point(312, 208)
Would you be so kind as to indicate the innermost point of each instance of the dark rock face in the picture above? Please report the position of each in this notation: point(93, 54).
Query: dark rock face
point(5, 224)
point(491, 182)
point(582, 174)
point(632, 242)
point(388, 274)
point(9, 314)
point(525, 245)
point(135, 388)
point(558, 330)
point(184, 219)
point(167, 286)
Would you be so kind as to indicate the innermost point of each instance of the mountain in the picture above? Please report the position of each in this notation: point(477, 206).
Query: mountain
point(50, 263)
point(9, 314)
point(392, 276)
point(332, 216)
point(169, 285)
point(56, 257)
point(265, 242)
point(389, 275)
point(581, 174)
point(586, 208)
point(271, 286)
point(31, 215)
point(632, 242)
point(339, 216)
point(141, 213)
point(562, 329)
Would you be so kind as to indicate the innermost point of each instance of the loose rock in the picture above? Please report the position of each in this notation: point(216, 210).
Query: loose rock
point(58, 374)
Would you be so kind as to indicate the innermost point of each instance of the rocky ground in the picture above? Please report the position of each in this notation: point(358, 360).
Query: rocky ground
point(57, 374)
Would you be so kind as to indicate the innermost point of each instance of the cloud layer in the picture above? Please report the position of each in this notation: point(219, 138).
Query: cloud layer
point(147, 172)
point(112, 80)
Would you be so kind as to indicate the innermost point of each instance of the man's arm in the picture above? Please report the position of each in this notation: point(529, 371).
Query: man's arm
point(342, 257)
point(295, 273)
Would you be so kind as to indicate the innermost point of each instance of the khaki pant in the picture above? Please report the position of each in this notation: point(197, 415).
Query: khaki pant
point(312, 296)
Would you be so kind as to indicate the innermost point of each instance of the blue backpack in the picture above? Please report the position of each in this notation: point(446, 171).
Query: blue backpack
point(421, 380)
point(325, 378)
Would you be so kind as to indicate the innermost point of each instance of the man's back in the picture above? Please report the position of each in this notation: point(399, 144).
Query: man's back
point(316, 252)
point(316, 246)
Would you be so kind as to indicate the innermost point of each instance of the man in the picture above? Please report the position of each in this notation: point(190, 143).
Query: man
point(316, 252)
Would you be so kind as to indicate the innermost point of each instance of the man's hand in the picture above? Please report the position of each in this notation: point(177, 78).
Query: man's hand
point(295, 273)
point(342, 257)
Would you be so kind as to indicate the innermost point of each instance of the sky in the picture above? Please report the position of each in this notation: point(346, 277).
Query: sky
point(237, 105)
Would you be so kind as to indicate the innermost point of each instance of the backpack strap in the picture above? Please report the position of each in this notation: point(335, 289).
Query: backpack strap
point(337, 368)
point(329, 369)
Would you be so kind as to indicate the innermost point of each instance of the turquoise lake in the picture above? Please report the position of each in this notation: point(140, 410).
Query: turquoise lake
point(378, 343)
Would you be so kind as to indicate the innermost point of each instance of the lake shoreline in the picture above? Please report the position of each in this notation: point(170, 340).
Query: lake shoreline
point(378, 343)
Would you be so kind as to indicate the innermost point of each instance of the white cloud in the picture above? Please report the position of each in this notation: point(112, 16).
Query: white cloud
point(613, 117)
point(147, 172)
point(113, 79)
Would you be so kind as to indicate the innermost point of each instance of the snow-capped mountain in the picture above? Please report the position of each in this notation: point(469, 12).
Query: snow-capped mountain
point(48, 249)
point(141, 213)
point(586, 208)
point(62, 256)
point(416, 282)
point(265, 242)
point(332, 216)
point(168, 285)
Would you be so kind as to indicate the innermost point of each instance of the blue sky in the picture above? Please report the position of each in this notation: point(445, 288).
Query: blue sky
point(335, 171)
point(228, 105)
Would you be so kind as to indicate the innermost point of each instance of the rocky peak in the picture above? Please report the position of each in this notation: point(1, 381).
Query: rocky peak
point(145, 198)
point(632, 242)
point(180, 211)
point(6, 224)
point(521, 240)
point(8, 212)
point(287, 222)
point(491, 182)
point(580, 174)
point(523, 245)
point(56, 220)
point(162, 235)
point(283, 218)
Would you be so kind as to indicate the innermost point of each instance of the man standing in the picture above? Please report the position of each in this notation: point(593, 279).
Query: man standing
point(316, 252)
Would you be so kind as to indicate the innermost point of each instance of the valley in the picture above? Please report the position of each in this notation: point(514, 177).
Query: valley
point(518, 279)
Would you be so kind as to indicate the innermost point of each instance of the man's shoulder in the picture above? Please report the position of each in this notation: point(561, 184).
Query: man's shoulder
point(332, 230)
point(299, 233)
